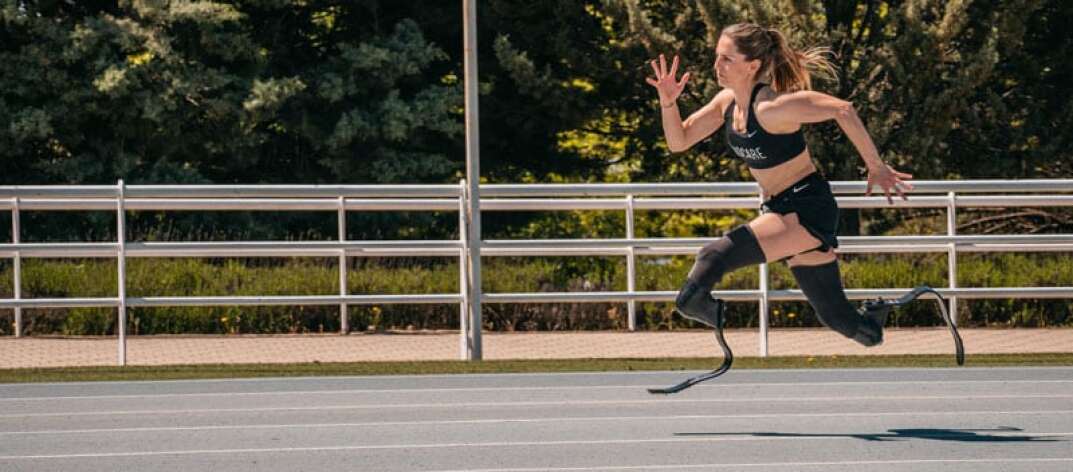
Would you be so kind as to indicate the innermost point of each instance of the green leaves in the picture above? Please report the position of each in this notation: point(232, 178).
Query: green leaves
point(287, 91)
point(250, 92)
point(405, 53)
point(381, 116)
point(30, 124)
point(268, 96)
point(523, 72)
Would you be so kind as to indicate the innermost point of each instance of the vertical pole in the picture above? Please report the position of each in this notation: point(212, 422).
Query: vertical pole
point(17, 263)
point(951, 258)
point(463, 274)
point(473, 177)
point(121, 257)
point(631, 267)
point(763, 302)
point(344, 320)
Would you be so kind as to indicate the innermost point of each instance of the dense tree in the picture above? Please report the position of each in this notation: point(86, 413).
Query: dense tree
point(259, 91)
point(369, 91)
point(934, 81)
point(156, 91)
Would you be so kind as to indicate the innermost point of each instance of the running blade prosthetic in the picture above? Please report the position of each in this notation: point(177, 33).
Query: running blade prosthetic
point(728, 359)
point(959, 349)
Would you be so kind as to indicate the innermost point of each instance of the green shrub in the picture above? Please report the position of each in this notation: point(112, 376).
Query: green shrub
point(312, 276)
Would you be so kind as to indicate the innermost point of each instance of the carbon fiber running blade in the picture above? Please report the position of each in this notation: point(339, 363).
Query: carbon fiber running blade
point(693, 380)
point(728, 360)
point(670, 390)
point(959, 347)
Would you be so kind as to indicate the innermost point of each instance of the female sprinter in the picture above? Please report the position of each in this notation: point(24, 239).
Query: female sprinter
point(764, 102)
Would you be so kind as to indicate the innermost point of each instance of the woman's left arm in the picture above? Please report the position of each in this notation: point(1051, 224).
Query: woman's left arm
point(812, 107)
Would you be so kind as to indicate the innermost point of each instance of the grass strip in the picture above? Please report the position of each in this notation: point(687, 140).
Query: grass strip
point(216, 371)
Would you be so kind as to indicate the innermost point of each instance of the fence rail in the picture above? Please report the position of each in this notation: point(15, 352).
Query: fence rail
point(452, 198)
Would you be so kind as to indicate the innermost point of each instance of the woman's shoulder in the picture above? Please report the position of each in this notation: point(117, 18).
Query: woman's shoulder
point(722, 100)
point(768, 99)
point(767, 96)
point(767, 105)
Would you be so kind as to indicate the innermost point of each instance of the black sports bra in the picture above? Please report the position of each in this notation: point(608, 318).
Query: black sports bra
point(760, 149)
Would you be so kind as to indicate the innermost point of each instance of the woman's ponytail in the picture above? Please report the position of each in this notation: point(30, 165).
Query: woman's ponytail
point(788, 69)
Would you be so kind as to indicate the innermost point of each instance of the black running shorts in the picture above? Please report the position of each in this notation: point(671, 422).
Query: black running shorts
point(815, 205)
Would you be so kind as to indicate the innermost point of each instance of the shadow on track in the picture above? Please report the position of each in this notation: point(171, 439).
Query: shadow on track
point(963, 435)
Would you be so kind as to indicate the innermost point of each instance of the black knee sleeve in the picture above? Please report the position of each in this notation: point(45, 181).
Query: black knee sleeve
point(738, 248)
point(822, 286)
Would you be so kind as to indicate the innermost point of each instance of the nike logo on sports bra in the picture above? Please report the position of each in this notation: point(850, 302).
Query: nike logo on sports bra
point(757, 147)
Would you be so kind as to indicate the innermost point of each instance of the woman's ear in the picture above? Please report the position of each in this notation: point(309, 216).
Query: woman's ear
point(754, 66)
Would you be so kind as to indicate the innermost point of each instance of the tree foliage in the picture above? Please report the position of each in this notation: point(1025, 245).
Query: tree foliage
point(323, 91)
point(947, 89)
point(258, 91)
point(934, 80)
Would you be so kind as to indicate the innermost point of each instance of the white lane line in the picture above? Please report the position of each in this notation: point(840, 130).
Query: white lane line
point(582, 419)
point(738, 372)
point(523, 389)
point(740, 438)
point(660, 401)
point(775, 464)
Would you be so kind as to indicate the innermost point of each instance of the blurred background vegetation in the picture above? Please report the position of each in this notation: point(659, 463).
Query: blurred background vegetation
point(369, 92)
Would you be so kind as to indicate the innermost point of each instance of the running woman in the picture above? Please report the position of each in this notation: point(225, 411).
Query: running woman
point(765, 100)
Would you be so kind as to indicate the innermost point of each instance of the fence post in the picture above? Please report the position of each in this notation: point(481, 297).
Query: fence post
point(463, 277)
point(344, 321)
point(473, 177)
point(16, 266)
point(631, 268)
point(951, 258)
point(763, 301)
point(121, 258)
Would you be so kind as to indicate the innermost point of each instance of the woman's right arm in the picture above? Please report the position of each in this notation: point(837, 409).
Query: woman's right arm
point(682, 135)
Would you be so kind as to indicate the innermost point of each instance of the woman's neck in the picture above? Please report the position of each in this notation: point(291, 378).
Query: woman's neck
point(743, 92)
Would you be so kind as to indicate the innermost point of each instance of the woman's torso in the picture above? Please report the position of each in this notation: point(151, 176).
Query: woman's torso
point(775, 178)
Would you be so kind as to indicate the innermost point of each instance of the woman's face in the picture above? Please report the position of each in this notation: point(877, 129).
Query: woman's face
point(731, 67)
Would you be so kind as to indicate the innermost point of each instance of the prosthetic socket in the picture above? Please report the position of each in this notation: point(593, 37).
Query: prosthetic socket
point(737, 249)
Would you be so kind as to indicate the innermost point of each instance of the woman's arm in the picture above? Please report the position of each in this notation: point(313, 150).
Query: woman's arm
point(682, 135)
point(812, 107)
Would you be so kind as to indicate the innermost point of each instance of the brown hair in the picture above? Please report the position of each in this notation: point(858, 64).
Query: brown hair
point(788, 68)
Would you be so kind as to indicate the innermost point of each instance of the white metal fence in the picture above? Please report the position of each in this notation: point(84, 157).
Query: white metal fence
point(629, 198)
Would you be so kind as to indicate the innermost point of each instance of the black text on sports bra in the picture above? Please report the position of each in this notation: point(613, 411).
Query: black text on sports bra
point(760, 149)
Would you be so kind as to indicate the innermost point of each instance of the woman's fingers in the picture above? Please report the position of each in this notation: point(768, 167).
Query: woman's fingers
point(890, 181)
point(682, 84)
point(900, 184)
point(665, 80)
point(897, 185)
point(886, 186)
point(661, 70)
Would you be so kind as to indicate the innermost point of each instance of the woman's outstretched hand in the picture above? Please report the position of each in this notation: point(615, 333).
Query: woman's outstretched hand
point(887, 179)
point(669, 88)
